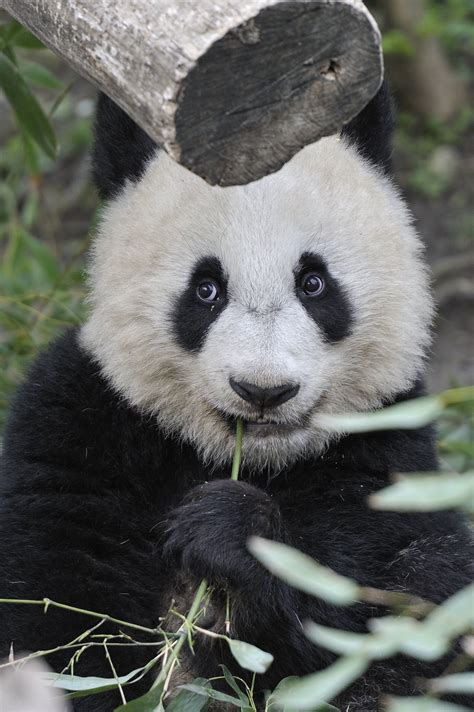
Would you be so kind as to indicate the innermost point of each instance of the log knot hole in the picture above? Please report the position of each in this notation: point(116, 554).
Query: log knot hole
point(328, 69)
point(248, 32)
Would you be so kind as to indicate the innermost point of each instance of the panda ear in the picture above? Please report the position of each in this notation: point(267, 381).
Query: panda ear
point(121, 149)
point(371, 131)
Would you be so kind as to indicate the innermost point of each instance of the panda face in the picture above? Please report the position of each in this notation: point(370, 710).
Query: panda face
point(298, 295)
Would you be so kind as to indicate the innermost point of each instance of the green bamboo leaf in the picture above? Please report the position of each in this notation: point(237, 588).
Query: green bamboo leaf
point(39, 76)
point(313, 690)
point(149, 702)
point(344, 643)
point(32, 154)
point(302, 572)
point(10, 53)
point(462, 682)
point(457, 396)
point(29, 113)
point(427, 492)
point(187, 701)
point(13, 253)
point(460, 447)
point(249, 656)
point(422, 704)
point(21, 37)
point(88, 685)
point(281, 687)
point(7, 202)
point(233, 684)
point(8, 33)
point(410, 414)
point(412, 637)
point(30, 210)
point(454, 616)
point(211, 694)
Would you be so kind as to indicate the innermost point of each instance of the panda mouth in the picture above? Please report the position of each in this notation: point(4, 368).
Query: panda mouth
point(267, 428)
point(262, 426)
point(265, 424)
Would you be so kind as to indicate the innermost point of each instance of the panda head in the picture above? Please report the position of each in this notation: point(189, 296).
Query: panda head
point(301, 294)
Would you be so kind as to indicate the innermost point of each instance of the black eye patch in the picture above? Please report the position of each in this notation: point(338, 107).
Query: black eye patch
point(192, 316)
point(331, 308)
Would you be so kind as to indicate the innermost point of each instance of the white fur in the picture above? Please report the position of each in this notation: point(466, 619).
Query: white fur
point(325, 200)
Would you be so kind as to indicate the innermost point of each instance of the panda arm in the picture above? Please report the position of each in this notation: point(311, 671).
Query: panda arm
point(85, 552)
point(207, 537)
point(424, 554)
point(77, 516)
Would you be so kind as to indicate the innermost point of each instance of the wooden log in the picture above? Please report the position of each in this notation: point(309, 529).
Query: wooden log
point(232, 89)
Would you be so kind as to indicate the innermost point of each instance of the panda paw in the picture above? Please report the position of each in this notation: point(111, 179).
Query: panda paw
point(206, 536)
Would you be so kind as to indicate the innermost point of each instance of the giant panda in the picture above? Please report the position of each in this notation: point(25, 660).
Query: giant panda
point(302, 294)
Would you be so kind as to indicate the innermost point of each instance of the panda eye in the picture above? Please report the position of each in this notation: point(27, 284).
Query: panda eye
point(208, 291)
point(312, 284)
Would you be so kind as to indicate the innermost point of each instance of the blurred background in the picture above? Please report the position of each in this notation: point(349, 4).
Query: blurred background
point(48, 206)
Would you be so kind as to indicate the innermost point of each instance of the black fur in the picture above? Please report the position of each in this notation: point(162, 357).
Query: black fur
point(191, 317)
point(91, 492)
point(371, 131)
point(121, 149)
point(331, 310)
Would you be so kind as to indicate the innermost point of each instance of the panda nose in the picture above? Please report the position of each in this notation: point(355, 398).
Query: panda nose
point(264, 397)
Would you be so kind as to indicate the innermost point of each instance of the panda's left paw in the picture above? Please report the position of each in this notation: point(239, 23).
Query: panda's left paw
point(206, 536)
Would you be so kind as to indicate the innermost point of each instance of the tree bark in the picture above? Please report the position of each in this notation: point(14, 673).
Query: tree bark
point(231, 89)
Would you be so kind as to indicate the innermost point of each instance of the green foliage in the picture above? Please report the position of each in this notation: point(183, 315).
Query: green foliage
point(41, 280)
point(249, 656)
point(452, 21)
point(83, 686)
point(301, 572)
point(417, 143)
point(428, 493)
point(310, 692)
point(408, 414)
point(152, 700)
point(422, 704)
point(31, 117)
point(397, 42)
point(188, 700)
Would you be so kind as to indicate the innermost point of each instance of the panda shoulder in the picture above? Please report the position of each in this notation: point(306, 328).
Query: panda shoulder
point(62, 398)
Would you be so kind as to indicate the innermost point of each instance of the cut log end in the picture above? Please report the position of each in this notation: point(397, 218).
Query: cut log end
point(291, 75)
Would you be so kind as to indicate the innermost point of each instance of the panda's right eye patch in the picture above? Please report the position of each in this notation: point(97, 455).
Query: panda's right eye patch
point(323, 297)
point(203, 300)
